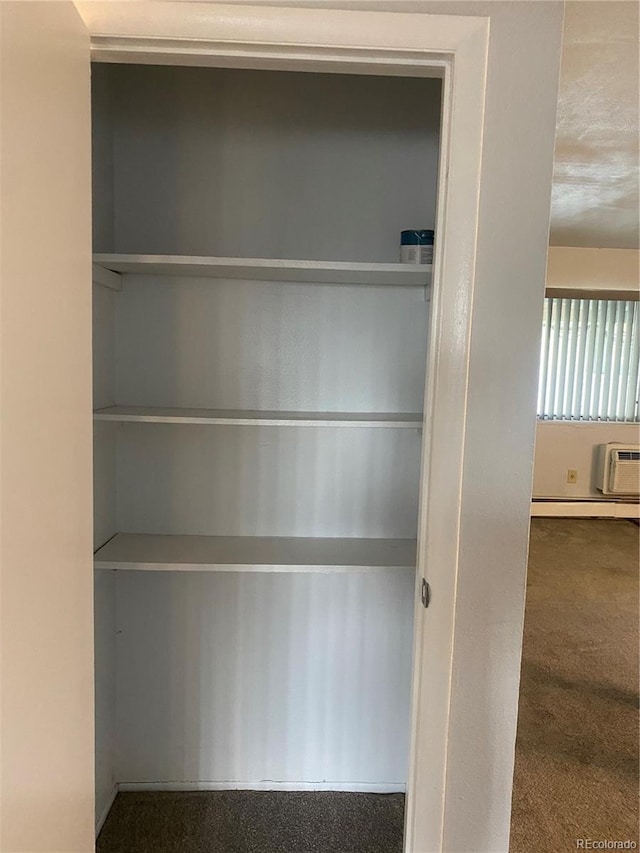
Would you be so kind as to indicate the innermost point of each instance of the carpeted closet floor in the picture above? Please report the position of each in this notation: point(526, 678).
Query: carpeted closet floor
point(254, 822)
point(577, 746)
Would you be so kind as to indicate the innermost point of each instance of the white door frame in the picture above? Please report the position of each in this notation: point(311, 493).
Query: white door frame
point(454, 48)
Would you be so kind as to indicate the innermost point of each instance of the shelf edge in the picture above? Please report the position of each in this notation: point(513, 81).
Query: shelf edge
point(112, 565)
point(406, 422)
point(269, 269)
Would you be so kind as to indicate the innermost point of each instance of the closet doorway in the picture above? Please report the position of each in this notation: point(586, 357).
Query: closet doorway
point(260, 357)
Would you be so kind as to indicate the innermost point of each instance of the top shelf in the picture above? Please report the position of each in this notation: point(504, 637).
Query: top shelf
point(263, 269)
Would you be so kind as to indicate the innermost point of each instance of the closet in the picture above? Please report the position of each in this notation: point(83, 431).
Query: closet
point(259, 374)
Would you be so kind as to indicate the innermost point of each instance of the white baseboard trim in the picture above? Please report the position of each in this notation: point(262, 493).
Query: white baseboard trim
point(267, 785)
point(584, 509)
point(105, 811)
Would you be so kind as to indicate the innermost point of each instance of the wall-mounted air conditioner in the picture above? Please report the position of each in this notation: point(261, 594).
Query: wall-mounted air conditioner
point(619, 469)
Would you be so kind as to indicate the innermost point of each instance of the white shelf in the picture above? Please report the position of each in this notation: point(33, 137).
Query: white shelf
point(263, 269)
point(141, 552)
point(138, 414)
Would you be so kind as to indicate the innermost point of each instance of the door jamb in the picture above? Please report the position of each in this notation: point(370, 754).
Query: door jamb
point(456, 49)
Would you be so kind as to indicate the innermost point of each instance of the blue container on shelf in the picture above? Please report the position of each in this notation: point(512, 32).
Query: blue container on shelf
point(416, 247)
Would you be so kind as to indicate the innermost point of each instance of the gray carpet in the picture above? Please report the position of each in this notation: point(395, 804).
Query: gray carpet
point(577, 746)
point(254, 822)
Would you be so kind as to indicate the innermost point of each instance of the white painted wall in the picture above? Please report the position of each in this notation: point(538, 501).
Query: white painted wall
point(104, 394)
point(102, 161)
point(264, 164)
point(247, 345)
point(592, 274)
point(560, 446)
point(233, 344)
point(266, 345)
point(105, 526)
point(104, 447)
point(523, 74)
point(523, 71)
point(104, 489)
point(268, 481)
point(241, 680)
point(264, 680)
point(46, 642)
point(105, 692)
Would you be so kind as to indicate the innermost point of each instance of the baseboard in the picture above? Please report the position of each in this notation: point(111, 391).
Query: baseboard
point(584, 509)
point(267, 785)
point(105, 811)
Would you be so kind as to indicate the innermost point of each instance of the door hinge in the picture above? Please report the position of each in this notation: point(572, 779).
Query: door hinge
point(425, 594)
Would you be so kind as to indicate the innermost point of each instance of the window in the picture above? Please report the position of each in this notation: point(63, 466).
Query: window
point(589, 360)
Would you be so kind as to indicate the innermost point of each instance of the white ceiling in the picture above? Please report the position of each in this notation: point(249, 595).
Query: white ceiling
point(595, 180)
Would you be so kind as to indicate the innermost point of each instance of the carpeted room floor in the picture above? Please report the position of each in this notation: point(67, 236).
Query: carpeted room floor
point(577, 747)
point(576, 770)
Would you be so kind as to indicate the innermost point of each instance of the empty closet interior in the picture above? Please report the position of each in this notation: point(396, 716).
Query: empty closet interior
point(259, 375)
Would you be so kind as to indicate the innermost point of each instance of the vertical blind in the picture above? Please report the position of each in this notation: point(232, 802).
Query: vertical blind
point(590, 360)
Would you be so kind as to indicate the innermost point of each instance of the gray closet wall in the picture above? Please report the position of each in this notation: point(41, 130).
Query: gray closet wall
point(252, 680)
